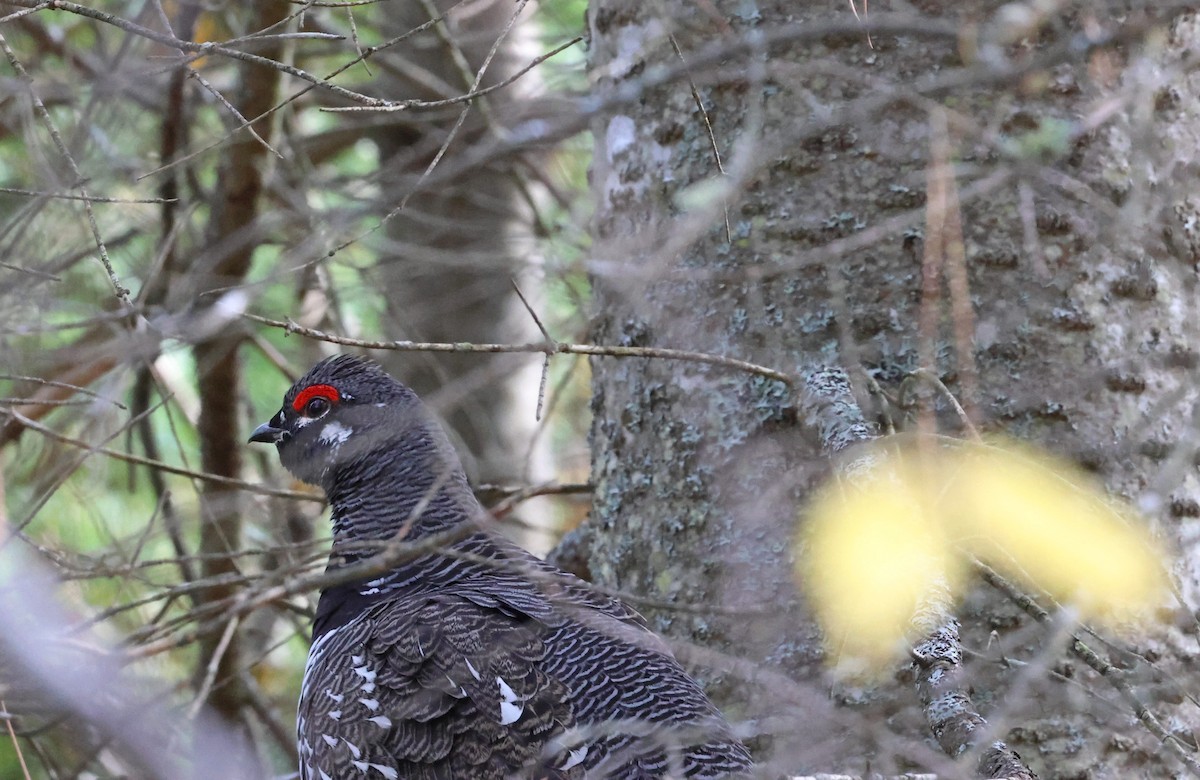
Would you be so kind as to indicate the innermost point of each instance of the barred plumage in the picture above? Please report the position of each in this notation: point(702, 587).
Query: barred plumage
point(477, 660)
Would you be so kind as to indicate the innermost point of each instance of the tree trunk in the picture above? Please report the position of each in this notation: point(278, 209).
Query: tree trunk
point(453, 254)
point(1060, 314)
point(233, 235)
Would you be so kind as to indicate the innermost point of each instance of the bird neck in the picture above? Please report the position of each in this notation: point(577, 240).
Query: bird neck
point(401, 493)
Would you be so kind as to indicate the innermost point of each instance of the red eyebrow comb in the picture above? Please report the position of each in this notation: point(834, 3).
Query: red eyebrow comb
point(328, 392)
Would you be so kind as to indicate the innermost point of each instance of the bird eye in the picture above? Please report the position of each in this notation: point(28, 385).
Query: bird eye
point(316, 407)
point(315, 400)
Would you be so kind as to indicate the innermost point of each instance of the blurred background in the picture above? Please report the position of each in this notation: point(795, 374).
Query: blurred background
point(979, 215)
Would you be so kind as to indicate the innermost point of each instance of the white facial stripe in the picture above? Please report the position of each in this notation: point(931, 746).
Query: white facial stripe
point(335, 433)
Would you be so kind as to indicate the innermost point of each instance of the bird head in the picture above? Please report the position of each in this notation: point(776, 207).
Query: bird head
point(347, 410)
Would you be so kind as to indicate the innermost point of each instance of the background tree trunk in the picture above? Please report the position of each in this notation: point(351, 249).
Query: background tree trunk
point(233, 234)
point(454, 251)
point(1062, 314)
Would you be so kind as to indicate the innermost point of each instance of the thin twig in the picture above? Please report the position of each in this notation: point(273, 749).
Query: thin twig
point(210, 673)
point(44, 115)
point(467, 97)
point(71, 196)
point(542, 348)
point(158, 464)
point(712, 138)
point(541, 397)
point(1107, 671)
point(462, 116)
point(16, 745)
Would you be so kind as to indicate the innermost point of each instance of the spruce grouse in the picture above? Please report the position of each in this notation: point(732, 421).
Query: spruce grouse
point(475, 660)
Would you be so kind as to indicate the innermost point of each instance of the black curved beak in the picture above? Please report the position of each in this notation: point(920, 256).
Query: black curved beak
point(268, 432)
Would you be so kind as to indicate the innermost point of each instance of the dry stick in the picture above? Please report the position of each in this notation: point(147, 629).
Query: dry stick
point(474, 94)
point(962, 317)
point(357, 43)
point(44, 115)
point(895, 24)
point(892, 24)
point(214, 663)
point(301, 93)
point(342, 4)
point(168, 594)
point(541, 397)
point(158, 464)
point(1093, 659)
point(932, 378)
point(542, 348)
point(1078, 646)
point(25, 12)
point(201, 49)
point(216, 93)
point(459, 59)
point(390, 554)
point(555, 394)
point(284, 736)
point(828, 405)
point(16, 745)
point(62, 475)
point(514, 496)
point(712, 138)
point(462, 115)
point(933, 256)
point(938, 656)
point(70, 196)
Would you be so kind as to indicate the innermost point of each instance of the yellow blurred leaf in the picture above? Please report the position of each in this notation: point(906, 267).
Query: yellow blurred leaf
point(1039, 519)
point(873, 552)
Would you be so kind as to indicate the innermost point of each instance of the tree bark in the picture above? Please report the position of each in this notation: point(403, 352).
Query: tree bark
point(233, 237)
point(453, 253)
point(1034, 252)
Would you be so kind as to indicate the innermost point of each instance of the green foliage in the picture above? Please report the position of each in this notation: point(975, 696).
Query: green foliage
point(107, 527)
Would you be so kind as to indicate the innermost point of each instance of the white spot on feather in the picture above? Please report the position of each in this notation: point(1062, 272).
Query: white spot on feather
point(325, 775)
point(574, 758)
point(382, 721)
point(386, 771)
point(365, 673)
point(510, 710)
point(331, 741)
point(372, 588)
point(509, 713)
point(336, 714)
point(335, 433)
point(371, 704)
point(506, 692)
point(354, 751)
point(471, 668)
